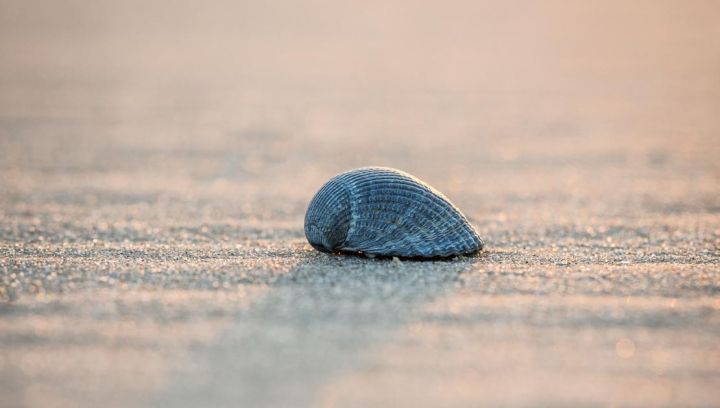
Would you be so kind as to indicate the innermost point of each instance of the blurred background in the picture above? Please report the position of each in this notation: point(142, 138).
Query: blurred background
point(173, 97)
point(452, 84)
point(159, 156)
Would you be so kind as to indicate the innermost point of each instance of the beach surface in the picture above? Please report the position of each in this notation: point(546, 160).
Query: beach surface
point(156, 161)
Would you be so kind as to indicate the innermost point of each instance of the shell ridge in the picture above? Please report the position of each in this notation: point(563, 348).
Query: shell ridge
point(382, 237)
point(353, 213)
point(389, 212)
point(327, 216)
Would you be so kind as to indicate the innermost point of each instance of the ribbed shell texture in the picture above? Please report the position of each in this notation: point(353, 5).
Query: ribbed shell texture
point(387, 212)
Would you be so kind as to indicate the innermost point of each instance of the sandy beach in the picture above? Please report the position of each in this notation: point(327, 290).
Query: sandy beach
point(156, 162)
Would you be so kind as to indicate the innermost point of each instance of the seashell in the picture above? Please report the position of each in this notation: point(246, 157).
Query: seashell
point(379, 211)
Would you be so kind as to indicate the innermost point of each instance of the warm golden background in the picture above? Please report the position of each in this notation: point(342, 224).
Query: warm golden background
point(157, 157)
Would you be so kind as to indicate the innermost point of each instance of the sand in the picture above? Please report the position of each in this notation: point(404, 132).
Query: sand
point(156, 162)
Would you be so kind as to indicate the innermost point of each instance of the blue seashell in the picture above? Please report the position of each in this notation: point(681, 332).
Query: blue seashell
point(387, 212)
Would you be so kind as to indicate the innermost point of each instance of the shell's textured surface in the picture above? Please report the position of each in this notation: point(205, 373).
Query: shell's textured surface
point(387, 212)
